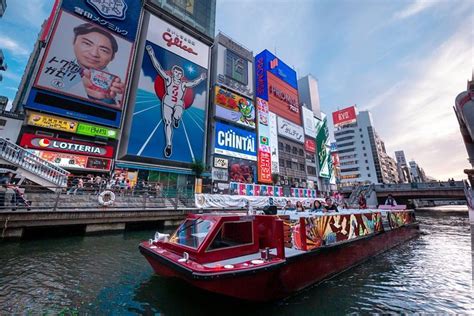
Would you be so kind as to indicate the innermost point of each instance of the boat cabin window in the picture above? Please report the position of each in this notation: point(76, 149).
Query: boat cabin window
point(192, 232)
point(232, 234)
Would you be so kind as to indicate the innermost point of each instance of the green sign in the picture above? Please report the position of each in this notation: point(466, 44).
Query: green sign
point(94, 130)
point(322, 138)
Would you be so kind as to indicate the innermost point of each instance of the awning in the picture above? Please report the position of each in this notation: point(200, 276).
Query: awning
point(157, 168)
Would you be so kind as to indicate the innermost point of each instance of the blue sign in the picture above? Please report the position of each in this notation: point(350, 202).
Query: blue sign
point(119, 16)
point(65, 106)
point(277, 67)
point(235, 142)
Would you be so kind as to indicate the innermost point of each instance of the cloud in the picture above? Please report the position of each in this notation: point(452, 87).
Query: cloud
point(414, 8)
point(10, 75)
point(13, 46)
point(418, 110)
point(146, 82)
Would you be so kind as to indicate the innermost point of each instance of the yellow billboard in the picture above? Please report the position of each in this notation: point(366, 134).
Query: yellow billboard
point(52, 122)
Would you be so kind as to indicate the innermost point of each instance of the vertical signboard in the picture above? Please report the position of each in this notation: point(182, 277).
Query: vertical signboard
point(264, 149)
point(169, 111)
point(272, 123)
point(322, 138)
point(85, 69)
point(309, 123)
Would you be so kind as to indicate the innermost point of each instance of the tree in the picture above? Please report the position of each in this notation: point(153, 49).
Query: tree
point(197, 167)
point(275, 178)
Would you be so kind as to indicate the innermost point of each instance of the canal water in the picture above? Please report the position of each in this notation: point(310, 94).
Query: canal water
point(106, 275)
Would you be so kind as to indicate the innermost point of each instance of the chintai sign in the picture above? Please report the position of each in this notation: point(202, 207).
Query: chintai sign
point(235, 142)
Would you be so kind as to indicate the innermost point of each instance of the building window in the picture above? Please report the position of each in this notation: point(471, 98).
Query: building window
point(363, 148)
point(365, 155)
point(367, 168)
point(280, 145)
point(366, 161)
point(301, 152)
point(301, 167)
point(288, 148)
point(363, 142)
point(360, 129)
point(288, 163)
point(295, 150)
point(282, 163)
point(368, 175)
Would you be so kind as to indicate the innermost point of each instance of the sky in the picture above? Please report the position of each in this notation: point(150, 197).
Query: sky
point(405, 61)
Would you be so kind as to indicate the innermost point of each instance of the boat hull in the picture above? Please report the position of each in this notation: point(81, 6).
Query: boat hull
point(294, 274)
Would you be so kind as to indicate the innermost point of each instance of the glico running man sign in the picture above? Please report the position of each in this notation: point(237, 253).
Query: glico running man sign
point(169, 112)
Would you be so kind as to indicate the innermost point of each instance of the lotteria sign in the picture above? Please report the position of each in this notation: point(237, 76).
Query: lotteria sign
point(63, 145)
point(235, 142)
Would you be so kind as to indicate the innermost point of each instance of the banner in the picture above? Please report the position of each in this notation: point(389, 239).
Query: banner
point(234, 108)
point(290, 130)
point(229, 202)
point(219, 174)
point(220, 162)
point(235, 142)
point(272, 122)
point(168, 121)
point(264, 167)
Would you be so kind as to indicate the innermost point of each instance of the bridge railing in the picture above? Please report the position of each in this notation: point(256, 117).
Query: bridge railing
point(419, 186)
point(40, 198)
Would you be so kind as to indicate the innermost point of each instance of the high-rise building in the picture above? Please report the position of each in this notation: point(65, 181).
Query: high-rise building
point(402, 167)
point(3, 7)
point(362, 154)
point(308, 93)
point(417, 173)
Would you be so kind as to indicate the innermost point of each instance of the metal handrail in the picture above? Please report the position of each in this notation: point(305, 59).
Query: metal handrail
point(24, 159)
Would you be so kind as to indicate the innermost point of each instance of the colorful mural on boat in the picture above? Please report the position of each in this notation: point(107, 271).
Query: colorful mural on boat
point(398, 219)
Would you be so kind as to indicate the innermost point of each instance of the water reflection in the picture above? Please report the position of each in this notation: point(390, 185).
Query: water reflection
point(107, 275)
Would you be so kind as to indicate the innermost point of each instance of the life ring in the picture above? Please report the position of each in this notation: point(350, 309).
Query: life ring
point(106, 198)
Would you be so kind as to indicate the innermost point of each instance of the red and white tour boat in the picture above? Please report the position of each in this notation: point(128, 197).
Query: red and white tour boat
point(267, 257)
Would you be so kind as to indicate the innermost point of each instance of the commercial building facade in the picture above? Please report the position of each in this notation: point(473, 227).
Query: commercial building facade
point(362, 154)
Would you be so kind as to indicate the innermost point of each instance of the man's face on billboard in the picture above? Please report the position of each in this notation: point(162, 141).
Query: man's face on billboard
point(93, 50)
point(177, 74)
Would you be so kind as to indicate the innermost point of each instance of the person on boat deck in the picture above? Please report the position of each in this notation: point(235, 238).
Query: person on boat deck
point(330, 206)
point(362, 202)
point(317, 206)
point(390, 201)
point(289, 206)
point(299, 206)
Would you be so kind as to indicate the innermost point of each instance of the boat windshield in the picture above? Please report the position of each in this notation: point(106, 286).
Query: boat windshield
point(192, 232)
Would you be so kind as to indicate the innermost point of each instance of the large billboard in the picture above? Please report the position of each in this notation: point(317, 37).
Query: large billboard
point(234, 108)
point(168, 120)
point(283, 99)
point(85, 70)
point(76, 162)
point(344, 116)
point(267, 62)
point(235, 142)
